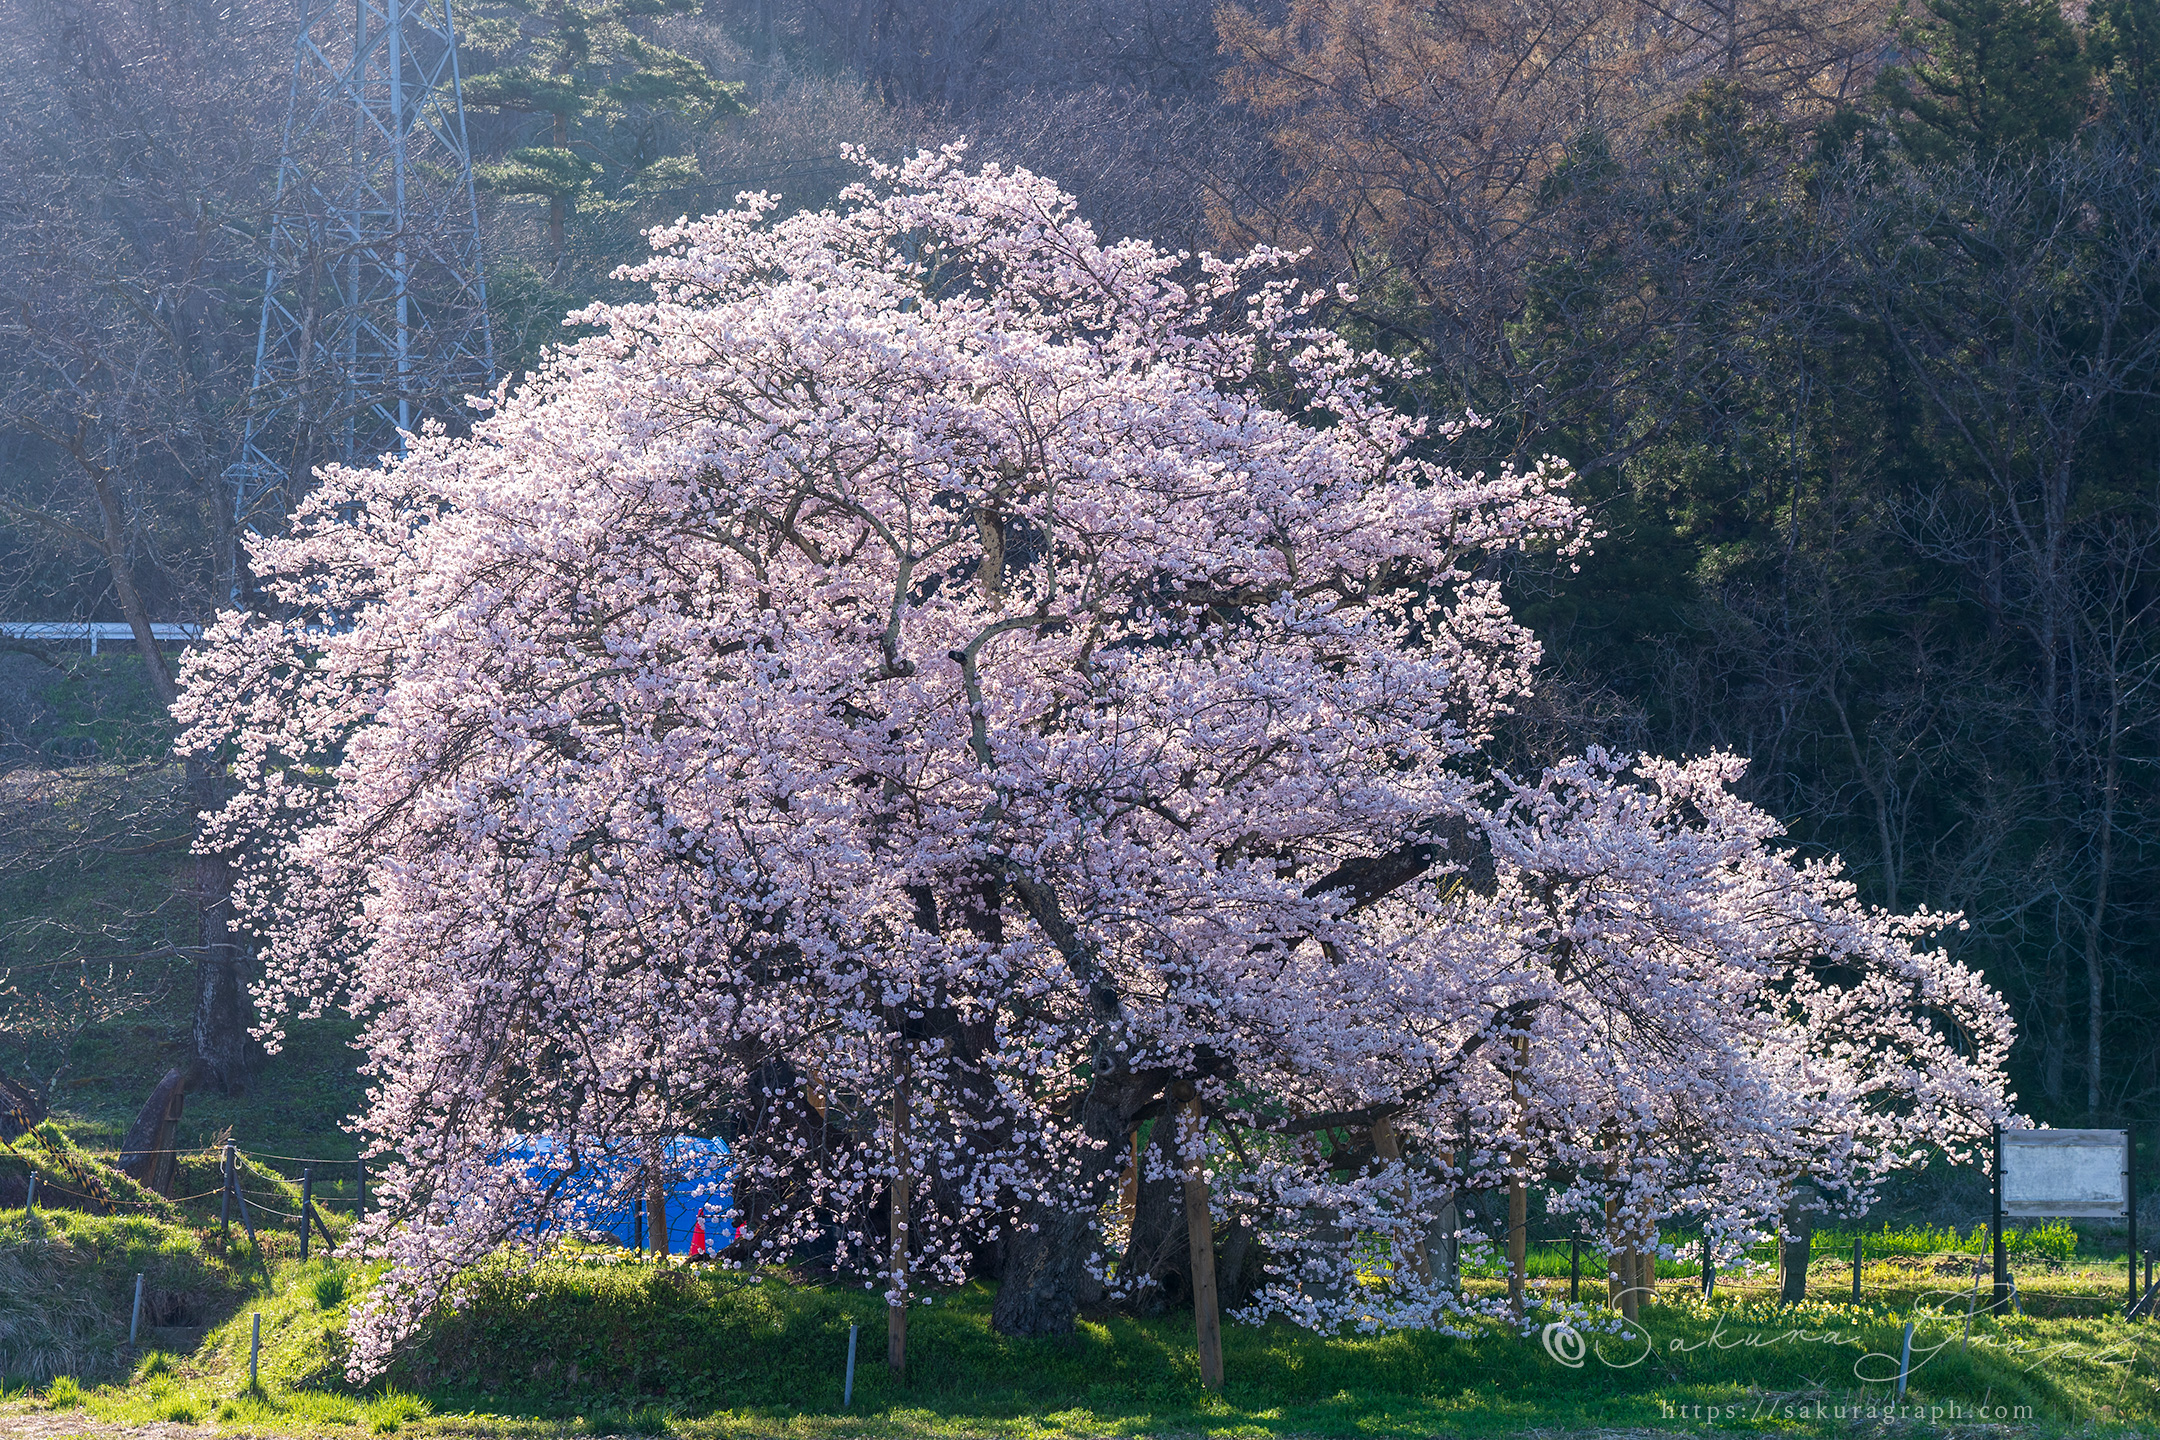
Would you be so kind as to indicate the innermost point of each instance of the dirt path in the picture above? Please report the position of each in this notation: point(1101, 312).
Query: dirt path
point(64, 1424)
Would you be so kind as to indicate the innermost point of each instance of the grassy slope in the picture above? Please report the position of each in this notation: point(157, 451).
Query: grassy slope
point(88, 730)
point(597, 1343)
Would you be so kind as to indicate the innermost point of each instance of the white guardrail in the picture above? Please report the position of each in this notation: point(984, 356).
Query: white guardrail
point(90, 632)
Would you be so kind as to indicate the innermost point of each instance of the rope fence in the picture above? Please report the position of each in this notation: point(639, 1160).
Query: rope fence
point(230, 1192)
point(1588, 1258)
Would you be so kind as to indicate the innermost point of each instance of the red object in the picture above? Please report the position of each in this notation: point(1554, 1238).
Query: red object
point(697, 1237)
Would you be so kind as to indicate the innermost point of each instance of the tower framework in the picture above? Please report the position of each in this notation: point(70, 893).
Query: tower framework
point(374, 311)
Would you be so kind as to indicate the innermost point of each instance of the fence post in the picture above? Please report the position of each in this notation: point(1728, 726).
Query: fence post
point(1709, 1264)
point(30, 1204)
point(135, 1316)
point(254, 1348)
point(360, 1183)
point(224, 1209)
point(1856, 1243)
point(1574, 1270)
point(307, 1208)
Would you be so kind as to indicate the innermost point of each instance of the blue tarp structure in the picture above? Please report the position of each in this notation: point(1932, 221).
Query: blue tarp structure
point(606, 1192)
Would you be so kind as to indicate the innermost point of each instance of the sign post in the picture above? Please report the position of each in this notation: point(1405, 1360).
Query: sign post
point(2080, 1174)
point(2130, 1186)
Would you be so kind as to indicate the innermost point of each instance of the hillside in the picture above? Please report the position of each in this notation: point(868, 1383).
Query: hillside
point(95, 921)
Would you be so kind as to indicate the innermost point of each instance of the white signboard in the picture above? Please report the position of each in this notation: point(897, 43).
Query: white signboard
point(2078, 1173)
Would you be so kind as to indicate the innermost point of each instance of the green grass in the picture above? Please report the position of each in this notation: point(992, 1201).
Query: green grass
point(595, 1341)
point(67, 1287)
point(2056, 1242)
point(597, 1344)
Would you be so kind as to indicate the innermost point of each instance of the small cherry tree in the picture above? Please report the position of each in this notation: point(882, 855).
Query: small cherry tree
point(939, 689)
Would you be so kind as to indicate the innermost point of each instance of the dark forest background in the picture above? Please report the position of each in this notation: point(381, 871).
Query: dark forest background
point(1847, 314)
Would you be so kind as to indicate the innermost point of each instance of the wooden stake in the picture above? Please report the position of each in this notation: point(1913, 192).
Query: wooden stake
point(1200, 1238)
point(903, 1182)
point(1388, 1146)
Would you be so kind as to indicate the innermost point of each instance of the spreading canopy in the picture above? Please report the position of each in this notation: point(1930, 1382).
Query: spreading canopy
point(926, 670)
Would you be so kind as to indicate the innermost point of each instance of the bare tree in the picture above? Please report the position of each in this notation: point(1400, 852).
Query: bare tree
point(2021, 295)
point(130, 169)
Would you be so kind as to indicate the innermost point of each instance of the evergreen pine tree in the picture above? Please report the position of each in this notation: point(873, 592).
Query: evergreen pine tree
point(599, 83)
point(1988, 76)
point(2124, 47)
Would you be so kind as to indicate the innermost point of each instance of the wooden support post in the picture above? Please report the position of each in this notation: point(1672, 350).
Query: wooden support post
point(1129, 1187)
point(1709, 1263)
point(307, 1209)
point(903, 1184)
point(1200, 1240)
point(360, 1181)
point(224, 1217)
point(656, 1204)
point(1518, 1244)
point(2002, 1256)
point(1387, 1144)
point(1617, 1268)
point(1574, 1269)
point(1518, 1199)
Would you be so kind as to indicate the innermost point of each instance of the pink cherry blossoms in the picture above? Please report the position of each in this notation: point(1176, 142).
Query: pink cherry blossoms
point(925, 684)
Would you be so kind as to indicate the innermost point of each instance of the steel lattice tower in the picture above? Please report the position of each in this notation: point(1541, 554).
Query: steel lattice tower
point(374, 312)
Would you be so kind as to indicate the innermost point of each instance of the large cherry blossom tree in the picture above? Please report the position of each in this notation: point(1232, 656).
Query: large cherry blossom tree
point(937, 691)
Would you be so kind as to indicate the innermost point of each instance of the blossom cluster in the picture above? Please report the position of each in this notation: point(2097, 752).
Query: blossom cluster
point(927, 682)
